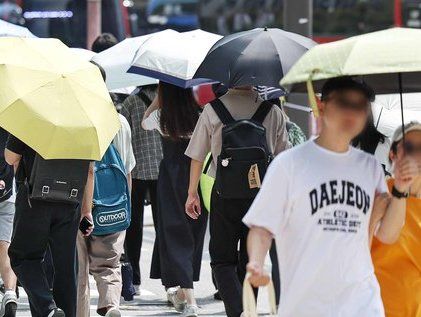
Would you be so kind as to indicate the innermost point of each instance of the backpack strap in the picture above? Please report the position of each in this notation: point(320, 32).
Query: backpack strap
point(145, 98)
point(262, 112)
point(222, 112)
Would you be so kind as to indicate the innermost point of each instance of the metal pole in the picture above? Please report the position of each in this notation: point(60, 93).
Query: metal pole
point(402, 112)
point(94, 21)
point(398, 13)
point(298, 16)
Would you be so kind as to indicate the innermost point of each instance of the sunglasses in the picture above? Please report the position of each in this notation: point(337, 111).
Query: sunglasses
point(411, 148)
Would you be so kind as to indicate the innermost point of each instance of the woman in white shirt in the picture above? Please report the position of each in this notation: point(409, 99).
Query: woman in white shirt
point(179, 240)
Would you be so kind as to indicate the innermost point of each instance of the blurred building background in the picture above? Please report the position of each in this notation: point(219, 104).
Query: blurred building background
point(326, 20)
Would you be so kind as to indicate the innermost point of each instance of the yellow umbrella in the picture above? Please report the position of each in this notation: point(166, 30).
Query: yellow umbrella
point(54, 101)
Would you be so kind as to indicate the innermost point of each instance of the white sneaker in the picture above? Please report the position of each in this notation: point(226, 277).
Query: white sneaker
point(172, 295)
point(9, 304)
point(137, 289)
point(113, 312)
point(57, 313)
point(190, 311)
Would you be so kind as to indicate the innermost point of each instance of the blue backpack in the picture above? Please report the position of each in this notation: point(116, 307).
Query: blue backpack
point(111, 203)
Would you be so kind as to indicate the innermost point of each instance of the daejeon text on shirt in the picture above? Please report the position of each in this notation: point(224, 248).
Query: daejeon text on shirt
point(317, 204)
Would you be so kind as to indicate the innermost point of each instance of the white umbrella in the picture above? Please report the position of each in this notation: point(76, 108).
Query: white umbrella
point(387, 111)
point(124, 91)
point(117, 60)
point(174, 58)
point(13, 30)
point(83, 53)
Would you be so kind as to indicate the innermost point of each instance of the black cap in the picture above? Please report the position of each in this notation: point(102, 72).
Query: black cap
point(347, 83)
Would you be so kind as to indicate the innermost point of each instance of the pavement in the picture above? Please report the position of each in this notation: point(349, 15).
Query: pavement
point(152, 300)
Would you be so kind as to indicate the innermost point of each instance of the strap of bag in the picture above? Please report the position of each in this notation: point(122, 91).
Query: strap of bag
point(249, 301)
point(262, 112)
point(145, 98)
point(222, 112)
point(207, 165)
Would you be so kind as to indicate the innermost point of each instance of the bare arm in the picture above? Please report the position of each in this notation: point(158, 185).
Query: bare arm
point(152, 107)
point(381, 203)
point(193, 208)
point(259, 241)
point(129, 181)
point(196, 168)
point(12, 158)
point(88, 196)
point(392, 222)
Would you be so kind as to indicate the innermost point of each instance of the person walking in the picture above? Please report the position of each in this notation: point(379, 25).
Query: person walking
point(7, 211)
point(39, 224)
point(148, 153)
point(398, 266)
point(318, 198)
point(226, 228)
point(179, 239)
point(100, 254)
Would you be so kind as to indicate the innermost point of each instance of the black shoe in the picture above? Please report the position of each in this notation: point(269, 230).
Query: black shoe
point(57, 313)
point(217, 296)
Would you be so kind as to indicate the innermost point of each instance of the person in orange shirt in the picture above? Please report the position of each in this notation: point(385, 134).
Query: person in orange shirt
point(398, 266)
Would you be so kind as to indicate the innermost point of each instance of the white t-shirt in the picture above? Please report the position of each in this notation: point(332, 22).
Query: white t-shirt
point(317, 204)
point(123, 144)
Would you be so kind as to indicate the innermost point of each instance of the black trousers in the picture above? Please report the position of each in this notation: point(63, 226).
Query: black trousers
point(134, 234)
point(36, 228)
point(227, 261)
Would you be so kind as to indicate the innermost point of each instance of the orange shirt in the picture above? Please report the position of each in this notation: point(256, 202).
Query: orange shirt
point(398, 266)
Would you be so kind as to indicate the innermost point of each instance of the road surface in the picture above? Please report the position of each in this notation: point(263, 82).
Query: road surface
point(152, 300)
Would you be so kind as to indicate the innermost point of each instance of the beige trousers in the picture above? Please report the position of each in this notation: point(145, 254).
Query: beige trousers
point(99, 256)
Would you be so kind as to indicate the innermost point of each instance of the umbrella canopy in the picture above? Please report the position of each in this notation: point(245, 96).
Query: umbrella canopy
point(12, 30)
point(174, 58)
point(387, 111)
point(117, 60)
point(54, 101)
point(379, 57)
point(83, 53)
point(253, 58)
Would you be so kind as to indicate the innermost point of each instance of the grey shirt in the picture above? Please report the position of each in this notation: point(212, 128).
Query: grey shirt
point(242, 104)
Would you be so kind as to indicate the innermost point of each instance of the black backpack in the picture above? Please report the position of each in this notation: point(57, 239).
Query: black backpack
point(6, 171)
point(61, 181)
point(245, 155)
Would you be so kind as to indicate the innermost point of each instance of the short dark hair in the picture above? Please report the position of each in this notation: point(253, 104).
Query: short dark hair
point(347, 83)
point(103, 42)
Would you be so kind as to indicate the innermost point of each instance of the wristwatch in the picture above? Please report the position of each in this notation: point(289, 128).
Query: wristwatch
point(397, 194)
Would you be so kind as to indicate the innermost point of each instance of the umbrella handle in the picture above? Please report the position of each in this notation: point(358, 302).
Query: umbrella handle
point(402, 114)
point(312, 96)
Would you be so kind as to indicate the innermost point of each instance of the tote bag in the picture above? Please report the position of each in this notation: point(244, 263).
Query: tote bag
point(249, 301)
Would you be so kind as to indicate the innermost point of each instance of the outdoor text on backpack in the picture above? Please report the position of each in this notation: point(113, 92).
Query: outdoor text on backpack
point(111, 205)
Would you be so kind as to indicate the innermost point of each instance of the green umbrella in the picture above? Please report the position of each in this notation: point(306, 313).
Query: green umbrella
point(389, 61)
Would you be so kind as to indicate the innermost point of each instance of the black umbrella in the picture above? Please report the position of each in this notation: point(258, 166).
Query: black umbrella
point(253, 58)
